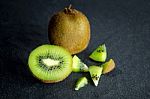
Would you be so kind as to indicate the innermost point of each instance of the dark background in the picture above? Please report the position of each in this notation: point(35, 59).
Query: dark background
point(123, 25)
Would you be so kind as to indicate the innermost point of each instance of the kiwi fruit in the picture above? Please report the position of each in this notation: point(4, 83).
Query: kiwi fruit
point(69, 28)
point(95, 72)
point(100, 54)
point(81, 82)
point(50, 63)
point(78, 65)
point(108, 66)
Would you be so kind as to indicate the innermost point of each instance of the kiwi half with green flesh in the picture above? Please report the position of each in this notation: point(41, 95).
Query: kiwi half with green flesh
point(108, 66)
point(95, 72)
point(99, 54)
point(81, 82)
point(50, 63)
point(78, 65)
point(70, 29)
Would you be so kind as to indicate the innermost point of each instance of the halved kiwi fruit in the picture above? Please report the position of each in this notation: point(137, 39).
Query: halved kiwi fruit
point(99, 54)
point(95, 72)
point(78, 65)
point(69, 28)
point(81, 82)
point(50, 63)
point(108, 66)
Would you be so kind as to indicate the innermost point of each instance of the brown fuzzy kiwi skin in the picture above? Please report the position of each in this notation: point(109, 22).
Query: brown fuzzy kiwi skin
point(69, 28)
point(110, 65)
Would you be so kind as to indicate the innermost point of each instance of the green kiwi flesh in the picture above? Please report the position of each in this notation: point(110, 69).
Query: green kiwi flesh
point(78, 65)
point(108, 66)
point(99, 54)
point(81, 82)
point(95, 72)
point(50, 63)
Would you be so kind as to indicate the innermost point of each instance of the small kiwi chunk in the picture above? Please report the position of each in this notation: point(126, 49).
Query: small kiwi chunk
point(95, 72)
point(78, 65)
point(69, 28)
point(81, 82)
point(99, 54)
point(50, 63)
point(108, 66)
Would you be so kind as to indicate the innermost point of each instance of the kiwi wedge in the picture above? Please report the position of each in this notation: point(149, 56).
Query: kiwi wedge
point(69, 28)
point(108, 66)
point(50, 63)
point(100, 54)
point(78, 65)
point(81, 82)
point(95, 72)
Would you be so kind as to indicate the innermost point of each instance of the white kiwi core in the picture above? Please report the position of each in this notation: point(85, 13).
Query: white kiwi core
point(50, 62)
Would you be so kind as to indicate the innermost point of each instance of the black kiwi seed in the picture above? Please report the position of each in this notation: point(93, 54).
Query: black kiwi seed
point(98, 51)
point(49, 68)
point(95, 76)
point(61, 62)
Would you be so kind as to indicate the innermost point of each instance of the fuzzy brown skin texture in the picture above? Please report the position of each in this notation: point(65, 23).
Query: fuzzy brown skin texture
point(110, 65)
point(70, 29)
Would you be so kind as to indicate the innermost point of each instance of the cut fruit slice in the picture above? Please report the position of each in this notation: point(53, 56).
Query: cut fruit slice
point(50, 63)
point(78, 65)
point(99, 54)
point(108, 66)
point(95, 72)
point(81, 83)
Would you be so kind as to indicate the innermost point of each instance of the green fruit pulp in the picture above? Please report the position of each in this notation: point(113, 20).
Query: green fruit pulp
point(108, 66)
point(95, 72)
point(81, 83)
point(99, 54)
point(78, 65)
point(50, 63)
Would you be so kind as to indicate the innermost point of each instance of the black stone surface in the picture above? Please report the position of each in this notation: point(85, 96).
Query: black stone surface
point(123, 25)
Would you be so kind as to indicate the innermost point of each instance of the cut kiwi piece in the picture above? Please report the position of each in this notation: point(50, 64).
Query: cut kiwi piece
point(78, 65)
point(50, 63)
point(81, 82)
point(108, 66)
point(95, 72)
point(99, 54)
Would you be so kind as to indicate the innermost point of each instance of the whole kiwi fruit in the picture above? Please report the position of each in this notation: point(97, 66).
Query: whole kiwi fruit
point(70, 29)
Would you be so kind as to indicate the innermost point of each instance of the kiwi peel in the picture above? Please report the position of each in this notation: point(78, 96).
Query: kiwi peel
point(81, 82)
point(78, 65)
point(99, 54)
point(108, 66)
point(50, 63)
point(95, 72)
point(70, 29)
